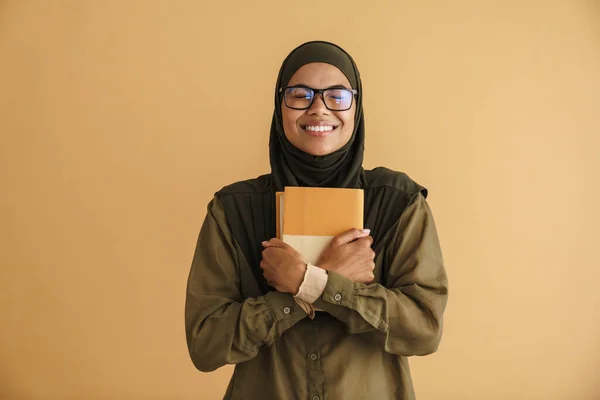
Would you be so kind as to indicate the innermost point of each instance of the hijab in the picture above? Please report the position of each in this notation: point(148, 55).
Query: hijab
point(291, 166)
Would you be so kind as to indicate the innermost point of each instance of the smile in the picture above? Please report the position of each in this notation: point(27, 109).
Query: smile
point(319, 128)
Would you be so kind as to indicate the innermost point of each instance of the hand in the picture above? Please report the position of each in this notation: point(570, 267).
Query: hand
point(350, 254)
point(283, 267)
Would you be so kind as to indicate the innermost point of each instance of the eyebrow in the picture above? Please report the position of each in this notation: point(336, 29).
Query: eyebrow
point(329, 87)
point(337, 87)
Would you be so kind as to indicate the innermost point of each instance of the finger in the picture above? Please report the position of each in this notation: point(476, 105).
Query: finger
point(272, 255)
point(268, 275)
point(367, 278)
point(275, 243)
point(269, 278)
point(350, 236)
point(269, 253)
point(267, 264)
point(264, 265)
point(363, 245)
point(366, 241)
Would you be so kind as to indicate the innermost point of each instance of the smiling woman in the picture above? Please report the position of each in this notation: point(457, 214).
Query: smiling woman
point(380, 292)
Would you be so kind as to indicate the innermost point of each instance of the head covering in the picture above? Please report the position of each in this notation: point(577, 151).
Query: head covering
point(291, 166)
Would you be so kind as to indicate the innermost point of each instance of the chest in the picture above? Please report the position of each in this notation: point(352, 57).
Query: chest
point(252, 221)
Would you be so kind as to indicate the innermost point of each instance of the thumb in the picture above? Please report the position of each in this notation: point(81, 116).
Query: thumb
point(350, 236)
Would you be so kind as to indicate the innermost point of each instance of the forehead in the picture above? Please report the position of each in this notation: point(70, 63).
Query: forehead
point(319, 75)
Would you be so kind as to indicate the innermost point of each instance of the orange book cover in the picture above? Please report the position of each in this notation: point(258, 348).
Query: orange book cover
point(308, 218)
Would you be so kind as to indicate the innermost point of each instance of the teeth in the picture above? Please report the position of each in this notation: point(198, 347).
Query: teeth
point(320, 128)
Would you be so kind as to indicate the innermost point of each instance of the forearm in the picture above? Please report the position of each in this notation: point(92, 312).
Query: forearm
point(222, 327)
point(220, 331)
point(406, 320)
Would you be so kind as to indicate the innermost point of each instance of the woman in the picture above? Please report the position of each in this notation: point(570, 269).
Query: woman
point(251, 298)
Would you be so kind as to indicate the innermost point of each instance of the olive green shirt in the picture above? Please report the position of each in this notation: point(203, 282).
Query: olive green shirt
point(356, 349)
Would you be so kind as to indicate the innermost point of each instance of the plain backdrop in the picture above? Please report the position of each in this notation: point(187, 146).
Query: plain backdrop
point(119, 120)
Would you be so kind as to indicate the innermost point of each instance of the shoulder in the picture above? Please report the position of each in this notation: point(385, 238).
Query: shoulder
point(258, 185)
point(382, 177)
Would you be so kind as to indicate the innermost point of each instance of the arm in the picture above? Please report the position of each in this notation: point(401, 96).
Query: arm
point(221, 326)
point(405, 315)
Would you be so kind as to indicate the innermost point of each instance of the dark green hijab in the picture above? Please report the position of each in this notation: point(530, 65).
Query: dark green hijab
point(291, 166)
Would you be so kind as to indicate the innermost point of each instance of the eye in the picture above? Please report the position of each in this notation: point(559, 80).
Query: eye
point(338, 95)
point(299, 93)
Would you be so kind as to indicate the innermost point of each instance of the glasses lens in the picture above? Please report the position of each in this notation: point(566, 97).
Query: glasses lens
point(338, 99)
point(298, 97)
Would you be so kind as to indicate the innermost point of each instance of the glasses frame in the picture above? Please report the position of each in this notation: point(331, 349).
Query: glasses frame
point(315, 92)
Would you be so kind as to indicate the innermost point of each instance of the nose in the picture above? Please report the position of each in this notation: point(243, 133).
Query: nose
point(318, 106)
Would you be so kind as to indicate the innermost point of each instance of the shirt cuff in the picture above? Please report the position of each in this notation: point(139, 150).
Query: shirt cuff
point(284, 308)
point(308, 308)
point(313, 285)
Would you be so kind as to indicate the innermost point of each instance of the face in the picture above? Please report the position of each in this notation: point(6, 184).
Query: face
point(301, 126)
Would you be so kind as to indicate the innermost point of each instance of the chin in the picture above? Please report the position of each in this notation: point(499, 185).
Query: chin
point(318, 152)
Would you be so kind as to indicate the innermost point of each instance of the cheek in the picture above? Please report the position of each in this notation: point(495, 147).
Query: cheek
point(348, 121)
point(289, 119)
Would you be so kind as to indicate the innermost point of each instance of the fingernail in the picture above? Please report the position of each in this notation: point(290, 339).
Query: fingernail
point(265, 242)
point(367, 231)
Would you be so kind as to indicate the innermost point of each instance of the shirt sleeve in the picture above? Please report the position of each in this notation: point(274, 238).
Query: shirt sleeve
point(313, 285)
point(311, 288)
point(404, 313)
point(221, 326)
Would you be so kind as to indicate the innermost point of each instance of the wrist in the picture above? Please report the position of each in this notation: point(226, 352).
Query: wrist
point(326, 266)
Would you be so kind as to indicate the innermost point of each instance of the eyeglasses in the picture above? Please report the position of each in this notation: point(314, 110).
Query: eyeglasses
point(302, 97)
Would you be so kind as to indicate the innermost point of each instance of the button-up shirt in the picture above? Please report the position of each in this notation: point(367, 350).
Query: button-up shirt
point(355, 348)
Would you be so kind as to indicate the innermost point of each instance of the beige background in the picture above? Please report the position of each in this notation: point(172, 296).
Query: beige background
point(120, 119)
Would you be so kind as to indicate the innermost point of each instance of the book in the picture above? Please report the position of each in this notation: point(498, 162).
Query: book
point(308, 217)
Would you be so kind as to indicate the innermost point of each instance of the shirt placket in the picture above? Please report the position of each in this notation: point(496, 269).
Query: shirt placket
point(314, 361)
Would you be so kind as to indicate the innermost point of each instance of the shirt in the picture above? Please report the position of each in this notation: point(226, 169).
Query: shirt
point(356, 348)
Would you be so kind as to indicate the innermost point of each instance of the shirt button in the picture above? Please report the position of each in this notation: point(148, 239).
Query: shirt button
point(315, 398)
point(337, 297)
point(314, 357)
point(286, 310)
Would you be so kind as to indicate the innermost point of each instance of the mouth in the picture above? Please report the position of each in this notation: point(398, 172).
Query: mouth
point(319, 130)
